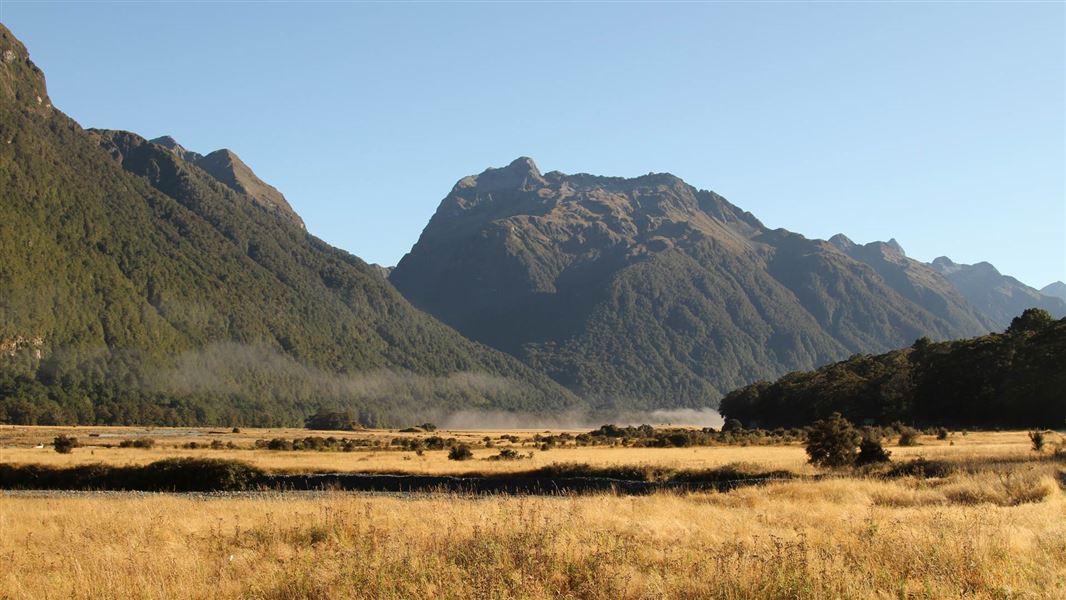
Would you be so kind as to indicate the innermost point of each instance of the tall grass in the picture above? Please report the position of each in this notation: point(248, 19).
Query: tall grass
point(842, 537)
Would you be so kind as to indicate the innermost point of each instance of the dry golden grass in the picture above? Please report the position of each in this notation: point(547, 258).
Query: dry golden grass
point(17, 446)
point(997, 531)
point(836, 538)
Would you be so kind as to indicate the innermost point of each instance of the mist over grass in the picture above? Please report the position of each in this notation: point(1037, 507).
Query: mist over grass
point(578, 419)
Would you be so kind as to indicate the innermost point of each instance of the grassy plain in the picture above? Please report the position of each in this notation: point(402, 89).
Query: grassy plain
point(18, 444)
point(996, 529)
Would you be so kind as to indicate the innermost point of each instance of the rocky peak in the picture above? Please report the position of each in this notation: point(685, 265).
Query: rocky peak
point(842, 242)
point(521, 174)
point(171, 144)
point(225, 166)
point(20, 79)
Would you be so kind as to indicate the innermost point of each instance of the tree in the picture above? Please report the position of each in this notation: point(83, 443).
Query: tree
point(1033, 319)
point(732, 425)
point(832, 442)
point(331, 420)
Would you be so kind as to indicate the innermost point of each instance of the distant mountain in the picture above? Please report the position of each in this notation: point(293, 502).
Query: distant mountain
point(918, 282)
point(999, 297)
point(1055, 290)
point(648, 292)
point(144, 283)
point(1011, 379)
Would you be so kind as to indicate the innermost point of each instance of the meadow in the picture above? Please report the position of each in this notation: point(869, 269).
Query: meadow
point(993, 528)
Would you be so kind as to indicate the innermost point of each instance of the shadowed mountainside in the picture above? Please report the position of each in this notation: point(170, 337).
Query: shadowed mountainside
point(648, 292)
point(999, 297)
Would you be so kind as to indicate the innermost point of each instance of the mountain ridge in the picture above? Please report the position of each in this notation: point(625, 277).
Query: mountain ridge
point(649, 290)
point(139, 288)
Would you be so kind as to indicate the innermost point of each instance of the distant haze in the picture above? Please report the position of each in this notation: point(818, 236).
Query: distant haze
point(878, 120)
point(495, 420)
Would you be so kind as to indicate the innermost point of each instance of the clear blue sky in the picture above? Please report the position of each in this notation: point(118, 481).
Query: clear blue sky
point(941, 125)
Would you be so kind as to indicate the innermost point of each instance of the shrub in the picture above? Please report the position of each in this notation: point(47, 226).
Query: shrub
point(871, 452)
point(138, 443)
point(236, 430)
point(460, 452)
point(908, 437)
point(1037, 438)
point(65, 444)
point(506, 454)
point(832, 442)
point(942, 433)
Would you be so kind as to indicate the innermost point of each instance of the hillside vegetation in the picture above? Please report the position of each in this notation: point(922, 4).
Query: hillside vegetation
point(1016, 378)
point(648, 292)
point(136, 287)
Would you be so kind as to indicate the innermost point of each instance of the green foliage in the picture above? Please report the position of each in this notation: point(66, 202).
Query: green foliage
point(832, 442)
point(1032, 320)
point(331, 420)
point(144, 443)
point(1012, 379)
point(137, 288)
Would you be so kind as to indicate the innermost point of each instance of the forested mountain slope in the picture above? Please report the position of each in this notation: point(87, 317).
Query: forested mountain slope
point(648, 292)
point(136, 286)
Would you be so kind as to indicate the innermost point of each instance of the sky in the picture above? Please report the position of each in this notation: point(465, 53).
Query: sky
point(942, 125)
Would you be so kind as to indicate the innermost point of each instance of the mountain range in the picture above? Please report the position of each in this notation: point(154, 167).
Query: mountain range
point(147, 283)
point(143, 283)
point(646, 292)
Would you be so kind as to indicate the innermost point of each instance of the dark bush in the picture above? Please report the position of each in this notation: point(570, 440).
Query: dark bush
point(65, 444)
point(507, 454)
point(908, 437)
point(460, 452)
point(137, 443)
point(832, 442)
point(871, 452)
point(1037, 438)
point(942, 433)
point(921, 467)
point(174, 474)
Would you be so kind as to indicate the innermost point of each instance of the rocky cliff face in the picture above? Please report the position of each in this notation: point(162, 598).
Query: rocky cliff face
point(649, 292)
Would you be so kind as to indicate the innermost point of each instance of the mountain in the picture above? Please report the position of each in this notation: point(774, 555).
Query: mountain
point(225, 166)
point(1055, 290)
point(916, 281)
point(144, 283)
point(1011, 379)
point(999, 297)
point(648, 292)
